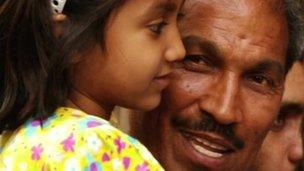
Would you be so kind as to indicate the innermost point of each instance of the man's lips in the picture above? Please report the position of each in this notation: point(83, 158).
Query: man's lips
point(208, 144)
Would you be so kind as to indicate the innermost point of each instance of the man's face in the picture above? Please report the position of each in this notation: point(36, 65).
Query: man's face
point(282, 149)
point(227, 91)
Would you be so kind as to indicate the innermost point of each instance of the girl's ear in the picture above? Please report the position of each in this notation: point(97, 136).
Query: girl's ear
point(59, 17)
point(59, 20)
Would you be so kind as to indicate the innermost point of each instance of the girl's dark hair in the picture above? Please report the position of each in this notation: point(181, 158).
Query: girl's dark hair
point(34, 65)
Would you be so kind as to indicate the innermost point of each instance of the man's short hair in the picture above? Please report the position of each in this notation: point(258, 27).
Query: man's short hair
point(295, 19)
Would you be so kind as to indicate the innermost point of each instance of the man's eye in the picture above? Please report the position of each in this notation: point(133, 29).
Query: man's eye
point(261, 80)
point(158, 27)
point(279, 123)
point(198, 63)
point(180, 16)
point(196, 59)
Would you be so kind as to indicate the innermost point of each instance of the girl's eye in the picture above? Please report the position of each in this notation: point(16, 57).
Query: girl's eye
point(158, 27)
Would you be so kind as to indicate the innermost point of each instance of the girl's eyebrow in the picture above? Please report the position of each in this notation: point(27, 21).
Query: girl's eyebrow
point(163, 6)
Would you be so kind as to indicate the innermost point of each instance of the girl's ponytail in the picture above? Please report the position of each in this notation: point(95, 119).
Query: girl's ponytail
point(26, 44)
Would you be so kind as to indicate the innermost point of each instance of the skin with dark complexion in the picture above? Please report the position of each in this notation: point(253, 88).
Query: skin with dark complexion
point(282, 149)
point(226, 93)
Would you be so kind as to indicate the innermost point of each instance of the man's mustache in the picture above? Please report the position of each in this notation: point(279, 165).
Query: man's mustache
point(207, 123)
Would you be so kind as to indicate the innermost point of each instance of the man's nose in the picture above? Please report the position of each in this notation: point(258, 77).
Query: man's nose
point(222, 99)
point(295, 153)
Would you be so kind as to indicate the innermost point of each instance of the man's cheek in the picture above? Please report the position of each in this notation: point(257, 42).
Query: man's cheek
point(255, 130)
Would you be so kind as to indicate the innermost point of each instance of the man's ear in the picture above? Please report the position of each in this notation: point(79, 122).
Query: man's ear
point(59, 20)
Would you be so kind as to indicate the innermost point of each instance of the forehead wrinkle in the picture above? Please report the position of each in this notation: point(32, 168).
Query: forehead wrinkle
point(215, 15)
point(276, 6)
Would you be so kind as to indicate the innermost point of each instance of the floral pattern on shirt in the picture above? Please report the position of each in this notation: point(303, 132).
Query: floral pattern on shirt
point(72, 140)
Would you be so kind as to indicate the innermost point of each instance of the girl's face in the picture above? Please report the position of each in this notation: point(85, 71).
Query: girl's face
point(142, 40)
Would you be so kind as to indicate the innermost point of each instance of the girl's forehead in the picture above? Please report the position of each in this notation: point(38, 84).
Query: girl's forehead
point(160, 5)
point(152, 8)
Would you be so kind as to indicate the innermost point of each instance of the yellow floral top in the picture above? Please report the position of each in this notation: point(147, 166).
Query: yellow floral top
point(71, 140)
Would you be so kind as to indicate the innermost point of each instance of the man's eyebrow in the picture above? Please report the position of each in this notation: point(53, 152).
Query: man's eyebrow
point(292, 108)
point(269, 65)
point(205, 46)
point(212, 49)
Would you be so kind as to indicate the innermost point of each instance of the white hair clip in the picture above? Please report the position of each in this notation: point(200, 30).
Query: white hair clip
point(58, 5)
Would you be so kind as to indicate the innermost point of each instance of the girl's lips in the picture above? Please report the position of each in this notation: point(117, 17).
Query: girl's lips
point(162, 82)
point(162, 79)
point(163, 75)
